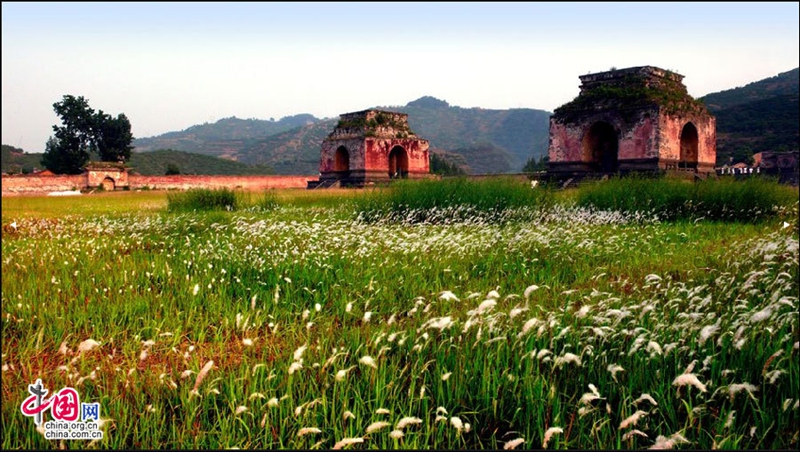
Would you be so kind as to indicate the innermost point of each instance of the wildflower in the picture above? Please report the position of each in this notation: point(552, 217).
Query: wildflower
point(645, 397)
point(529, 290)
point(446, 376)
point(493, 294)
point(707, 332)
point(368, 361)
point(448, 296)
point(87, 345)
point(348, 415)
point(663, 442)
point(396, 434)
point(513, 443)
point(407, 421)
point(349, 307)
point(568, 358)
point(630, 434)
point(295, 367)
point(367, 316)
point(317, 307)
point(632, 419)
point(202, 374)
point(441, 410)
point(143, 355)
point(306, 430)
point(247, 342)
point(613, 368)
point(375, 426)
point(733, 389)
point(299, 352)
point(196, 289)
point(240, 409)
point(185, 374)
point(148, 343)
point(549, 433)
point(347, 441)
point(689, 379)
point(456, 422)
point(63, 348)
point(729, 421)
point(761, 315)
point(486, 305)
point(273, 402)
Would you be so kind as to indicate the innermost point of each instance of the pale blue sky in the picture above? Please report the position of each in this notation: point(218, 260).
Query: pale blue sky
point(169, 66)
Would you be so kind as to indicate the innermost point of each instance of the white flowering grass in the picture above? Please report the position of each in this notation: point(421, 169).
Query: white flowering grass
point(722, 307)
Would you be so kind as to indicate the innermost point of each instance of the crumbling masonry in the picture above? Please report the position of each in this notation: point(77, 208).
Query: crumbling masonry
point(634, 119)
point(371, 146)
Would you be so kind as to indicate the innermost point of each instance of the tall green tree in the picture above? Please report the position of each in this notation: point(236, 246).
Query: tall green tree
point(112, 137)
point(68, 150)
point(83, 131)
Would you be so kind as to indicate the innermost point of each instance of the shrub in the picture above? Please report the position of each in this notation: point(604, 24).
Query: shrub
point(423, 200)
point(748, 200)
point(269, 201)
point(203, 199)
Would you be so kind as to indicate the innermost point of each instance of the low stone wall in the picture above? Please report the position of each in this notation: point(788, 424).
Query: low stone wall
point(13, 185)
point(184, 182)
point(20, 184)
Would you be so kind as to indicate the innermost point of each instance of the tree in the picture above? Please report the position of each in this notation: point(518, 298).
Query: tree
point(68, 151)
point(112, 137)
point(84, 131)
point(172, 169)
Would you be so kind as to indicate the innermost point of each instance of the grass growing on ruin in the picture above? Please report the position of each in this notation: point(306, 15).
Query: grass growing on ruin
point(571, 328)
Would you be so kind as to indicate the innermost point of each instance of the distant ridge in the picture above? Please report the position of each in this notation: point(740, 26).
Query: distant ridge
point(762, 115)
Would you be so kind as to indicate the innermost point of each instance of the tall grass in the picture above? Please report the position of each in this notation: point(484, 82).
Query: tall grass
point(204, 199)
point(749, 200)
point(483, 335)
point(416, 201)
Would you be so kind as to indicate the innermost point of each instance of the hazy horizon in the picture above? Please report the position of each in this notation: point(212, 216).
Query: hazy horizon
point(169, 66)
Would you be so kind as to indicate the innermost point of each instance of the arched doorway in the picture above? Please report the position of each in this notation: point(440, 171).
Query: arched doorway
point(108, 184)
point(341, 162)
point(601, 147)
point(398, 163)
point(689, 143)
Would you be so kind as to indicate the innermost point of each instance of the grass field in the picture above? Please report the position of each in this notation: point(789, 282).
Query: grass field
point(314, 325)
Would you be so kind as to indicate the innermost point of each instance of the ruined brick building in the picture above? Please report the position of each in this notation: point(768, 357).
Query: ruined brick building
point(371, 146)
point(634, 119)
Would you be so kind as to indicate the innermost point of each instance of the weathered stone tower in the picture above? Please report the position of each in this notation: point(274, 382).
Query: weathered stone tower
point(634, 119)
point(371, 146)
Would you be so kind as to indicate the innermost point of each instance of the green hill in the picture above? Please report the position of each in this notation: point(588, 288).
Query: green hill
point(15, 161)
point(159, 162)
point(761, 116)
point(224, 138)
point(508, 137)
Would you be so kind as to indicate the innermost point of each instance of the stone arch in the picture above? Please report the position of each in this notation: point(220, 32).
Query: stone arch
point(341, 160)
point(689, 146)
point(108, 184)
point(398, 163)
point(601, 147)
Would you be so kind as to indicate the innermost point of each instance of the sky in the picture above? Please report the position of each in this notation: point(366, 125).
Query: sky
point(169, 66)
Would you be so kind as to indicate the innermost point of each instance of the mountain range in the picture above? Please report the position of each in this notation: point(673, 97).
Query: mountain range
point(763, 115)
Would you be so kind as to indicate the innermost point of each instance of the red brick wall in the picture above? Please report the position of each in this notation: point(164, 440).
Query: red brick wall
point(184, 182)
point(42, 184)
point(45, 184)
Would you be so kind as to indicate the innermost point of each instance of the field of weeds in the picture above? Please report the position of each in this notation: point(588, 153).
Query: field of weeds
point(326, 325)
